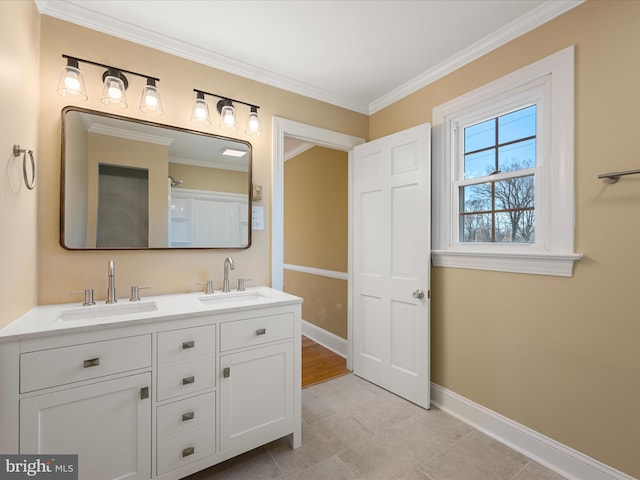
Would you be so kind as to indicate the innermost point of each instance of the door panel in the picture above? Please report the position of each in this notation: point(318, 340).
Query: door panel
point(391, 244)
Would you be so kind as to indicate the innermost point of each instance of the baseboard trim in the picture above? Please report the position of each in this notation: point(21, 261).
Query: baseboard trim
point(325, 338)
point(557, 457)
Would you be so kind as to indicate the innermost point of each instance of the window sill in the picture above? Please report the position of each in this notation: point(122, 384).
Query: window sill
point(529, 263)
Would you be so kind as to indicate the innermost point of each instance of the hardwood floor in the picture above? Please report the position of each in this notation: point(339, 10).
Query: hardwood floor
point(320, 364)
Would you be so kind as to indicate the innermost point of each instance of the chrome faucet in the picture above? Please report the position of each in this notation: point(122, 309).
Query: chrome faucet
point(111, 291)
point(228, 264)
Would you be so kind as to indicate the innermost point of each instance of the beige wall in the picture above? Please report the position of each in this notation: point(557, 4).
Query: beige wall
point(316, 235)
point(19, 57)
point(62, 271)
point(325, 300)
point(315, 211)
point(560, 355)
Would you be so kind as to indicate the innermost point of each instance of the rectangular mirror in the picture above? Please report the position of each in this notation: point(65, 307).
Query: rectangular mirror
point(133, 184)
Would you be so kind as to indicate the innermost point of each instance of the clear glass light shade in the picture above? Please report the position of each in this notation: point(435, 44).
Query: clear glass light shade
point(228, 118)
point(200, 112)
point(253, 123)
point(150, 101)
point(113, 92)
point(71, 83)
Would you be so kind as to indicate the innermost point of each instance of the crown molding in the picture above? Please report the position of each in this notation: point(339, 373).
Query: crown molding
point(78, 14)
point(538, 16)
point(129, 134)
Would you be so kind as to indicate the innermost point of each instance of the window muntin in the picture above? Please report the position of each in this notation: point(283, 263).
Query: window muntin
point(497, 195)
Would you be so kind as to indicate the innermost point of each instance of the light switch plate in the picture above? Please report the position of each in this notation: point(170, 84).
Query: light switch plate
point(257, 218)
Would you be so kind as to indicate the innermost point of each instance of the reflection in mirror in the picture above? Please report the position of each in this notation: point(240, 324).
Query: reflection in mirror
point(132, 184)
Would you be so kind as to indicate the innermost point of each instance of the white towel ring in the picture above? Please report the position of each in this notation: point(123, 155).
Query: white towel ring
point(16, 153)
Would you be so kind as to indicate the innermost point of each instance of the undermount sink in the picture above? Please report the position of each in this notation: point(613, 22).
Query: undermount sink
point(103, 311)
point(232, 298)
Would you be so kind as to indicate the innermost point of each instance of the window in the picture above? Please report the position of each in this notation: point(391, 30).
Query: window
point(497, 196)
point(503, 173)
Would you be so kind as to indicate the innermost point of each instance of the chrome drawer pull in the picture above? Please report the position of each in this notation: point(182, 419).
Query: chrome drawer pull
point(188, 416)
point(188, 451)
point(226, 372)
point(189, 344)
point(188, 380)
point(261, 331)
point(92, 362)
point(144, 393)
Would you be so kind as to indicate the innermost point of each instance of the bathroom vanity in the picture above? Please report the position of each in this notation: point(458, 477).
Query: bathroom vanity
point(159, 388)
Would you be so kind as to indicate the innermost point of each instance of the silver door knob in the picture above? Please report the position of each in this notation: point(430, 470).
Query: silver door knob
point(418, 294)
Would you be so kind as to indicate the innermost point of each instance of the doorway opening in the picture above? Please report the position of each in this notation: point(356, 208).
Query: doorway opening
point(288, 132)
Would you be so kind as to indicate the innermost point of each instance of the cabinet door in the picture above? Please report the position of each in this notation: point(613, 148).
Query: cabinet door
point(108, 424)
point(256, 395)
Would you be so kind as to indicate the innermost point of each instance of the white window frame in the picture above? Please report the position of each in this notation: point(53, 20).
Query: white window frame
point(550, 84)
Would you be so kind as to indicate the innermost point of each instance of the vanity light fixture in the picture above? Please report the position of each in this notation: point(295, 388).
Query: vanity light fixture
point(71, 80)
point(227, 110)
point(253, 123)
point(200, 111)
point(227, 115)
point(114, 88)
point(115, 84)
point(150, 101)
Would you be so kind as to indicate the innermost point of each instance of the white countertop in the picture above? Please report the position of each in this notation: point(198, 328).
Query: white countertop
point(71, 317)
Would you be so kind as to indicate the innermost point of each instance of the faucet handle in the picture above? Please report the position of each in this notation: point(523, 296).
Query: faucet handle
point(88, 296)
point(241, 283)
point(209, 284)
point(135, 293)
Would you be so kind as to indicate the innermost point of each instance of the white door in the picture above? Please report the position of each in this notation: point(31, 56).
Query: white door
point(391, 257)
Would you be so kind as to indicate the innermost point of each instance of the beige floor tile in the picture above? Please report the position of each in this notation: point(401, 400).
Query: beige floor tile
point(385, 412)
point(314, 449)
point(475, 457)
point(257, 464)
point(354, 430)
point(535, 471)
point(331, 469)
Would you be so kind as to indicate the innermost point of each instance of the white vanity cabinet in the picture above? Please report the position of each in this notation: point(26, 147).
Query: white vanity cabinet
point(257, 384)
point(82, 399)
point(159, 396)
point(185, 414)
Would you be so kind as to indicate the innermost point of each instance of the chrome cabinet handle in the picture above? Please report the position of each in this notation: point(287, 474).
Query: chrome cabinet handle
point(189, 344)
point(144, 393)
point(92, 362)
point(226, 372)
point(261, 331)
point(188, 380)
point(188, 451)
point(419, 294)
point(188, 416)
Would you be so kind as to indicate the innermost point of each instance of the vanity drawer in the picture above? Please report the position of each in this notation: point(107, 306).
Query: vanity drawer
point(186, 343)
point(186, 377)
point(255, 331)
point(60, 366)
point(185, 449)
point(186, 415)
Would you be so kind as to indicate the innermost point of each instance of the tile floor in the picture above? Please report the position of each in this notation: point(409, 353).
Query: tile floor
point(352, 429)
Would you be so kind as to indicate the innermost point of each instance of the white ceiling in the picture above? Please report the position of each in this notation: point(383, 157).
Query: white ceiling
point(358, 54)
